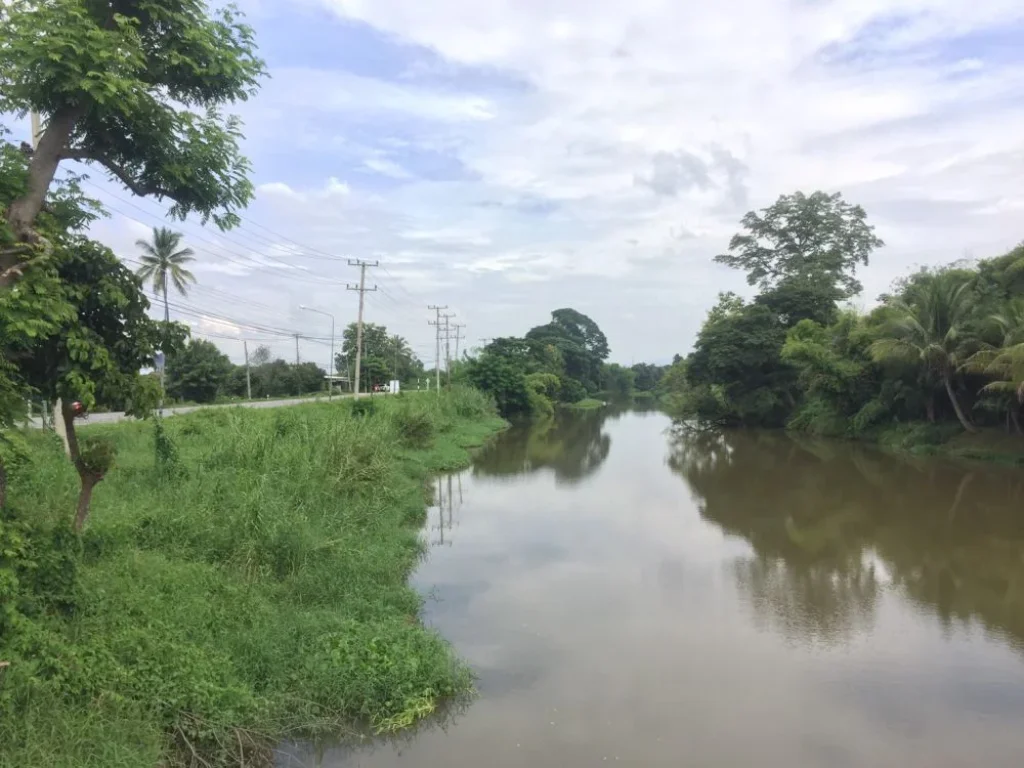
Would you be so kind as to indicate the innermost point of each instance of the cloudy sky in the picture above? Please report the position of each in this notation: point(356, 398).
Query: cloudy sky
point(510, 157)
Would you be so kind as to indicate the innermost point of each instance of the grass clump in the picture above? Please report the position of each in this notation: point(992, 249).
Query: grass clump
point(587, 404)
point(243, 575)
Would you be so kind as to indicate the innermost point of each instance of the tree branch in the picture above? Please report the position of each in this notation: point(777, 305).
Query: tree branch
point(139, 189)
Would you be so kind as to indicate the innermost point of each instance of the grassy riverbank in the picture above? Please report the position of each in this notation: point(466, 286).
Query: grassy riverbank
point(249, 585)
point(950, 439)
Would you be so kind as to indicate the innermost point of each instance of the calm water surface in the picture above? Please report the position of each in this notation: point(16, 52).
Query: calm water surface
point(735, 600)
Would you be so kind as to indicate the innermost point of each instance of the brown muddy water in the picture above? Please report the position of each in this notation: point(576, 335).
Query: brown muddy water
point(745, 599)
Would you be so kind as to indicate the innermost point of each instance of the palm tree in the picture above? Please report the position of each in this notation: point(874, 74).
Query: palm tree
point(161, 259)
point(1004, 359)
point(929, 327)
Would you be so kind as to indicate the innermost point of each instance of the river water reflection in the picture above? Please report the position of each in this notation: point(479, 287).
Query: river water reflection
point(733, 600)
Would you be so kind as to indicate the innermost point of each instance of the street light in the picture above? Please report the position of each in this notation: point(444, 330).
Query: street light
point(330, 367)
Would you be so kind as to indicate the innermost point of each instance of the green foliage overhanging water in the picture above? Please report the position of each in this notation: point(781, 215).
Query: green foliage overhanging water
point(940, 358)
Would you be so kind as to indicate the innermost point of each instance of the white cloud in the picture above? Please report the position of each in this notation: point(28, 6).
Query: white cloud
point(634, 137)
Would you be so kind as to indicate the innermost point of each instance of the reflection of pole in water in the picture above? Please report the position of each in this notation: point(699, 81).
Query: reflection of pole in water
point(449, 502)
point(460, 490)
point(440, 509)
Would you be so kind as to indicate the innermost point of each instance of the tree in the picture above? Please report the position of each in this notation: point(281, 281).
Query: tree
point(647, 376)
point(617, 381)
point(198, 373)
point(161, 259)
point(819, 238)
point(571, 345)
point(500, 377)
point(385, 356)
point(260, 356)
point(735, 374)
point(929, 326)
point(134, 87)
point(92, 354)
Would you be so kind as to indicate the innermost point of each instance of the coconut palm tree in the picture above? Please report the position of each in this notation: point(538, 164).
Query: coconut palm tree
point(930, 327)
point(161, 260)
point(1003, 360)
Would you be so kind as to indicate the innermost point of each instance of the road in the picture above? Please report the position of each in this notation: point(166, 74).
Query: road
point(110, 418)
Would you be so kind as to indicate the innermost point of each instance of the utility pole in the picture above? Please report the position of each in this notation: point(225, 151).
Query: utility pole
point(362, 295)
point(297, 349)
point(437, 358)
point(330, 365)
point(59, 426)
point(248, 381)
point(448, 348)
point(458, 334)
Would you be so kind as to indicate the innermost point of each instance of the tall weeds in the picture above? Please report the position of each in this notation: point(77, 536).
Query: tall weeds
point(242, 576)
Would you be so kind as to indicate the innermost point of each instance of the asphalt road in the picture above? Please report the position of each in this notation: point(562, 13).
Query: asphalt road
point(110, 418)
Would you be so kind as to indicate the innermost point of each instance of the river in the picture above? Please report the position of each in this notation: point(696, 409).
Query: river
point(731, 600)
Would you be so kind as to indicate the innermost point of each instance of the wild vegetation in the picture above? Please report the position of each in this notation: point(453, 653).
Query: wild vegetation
point(198, 372)
point(560, 362)
point(242, 577)
point(385, 357)
point(939, 355)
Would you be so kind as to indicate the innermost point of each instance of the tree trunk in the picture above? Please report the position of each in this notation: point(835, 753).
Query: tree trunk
point(84, 499)
point(87, 478)
point(948, 381)
point(929, 407)
point(167, 312)
point(21, 214)
point(1015, 418)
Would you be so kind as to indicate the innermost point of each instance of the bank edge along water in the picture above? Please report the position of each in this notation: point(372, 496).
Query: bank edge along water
point(246, 584)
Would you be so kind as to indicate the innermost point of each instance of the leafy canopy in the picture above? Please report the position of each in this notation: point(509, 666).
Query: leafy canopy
point(136, 86)
point(803, 237)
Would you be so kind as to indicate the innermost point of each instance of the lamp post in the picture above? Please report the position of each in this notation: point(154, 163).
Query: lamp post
point(330, 367)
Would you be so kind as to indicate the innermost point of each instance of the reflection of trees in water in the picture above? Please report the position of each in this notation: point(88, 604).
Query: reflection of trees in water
point(808, 603)
point(819, 513)
point(572, 444)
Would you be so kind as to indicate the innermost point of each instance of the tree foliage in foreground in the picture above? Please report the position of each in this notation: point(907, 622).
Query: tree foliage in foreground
point(135, 87)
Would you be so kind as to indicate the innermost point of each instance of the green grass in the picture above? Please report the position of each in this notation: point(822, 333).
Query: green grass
point(586, 404)
point(250, 584)
point(950, 439)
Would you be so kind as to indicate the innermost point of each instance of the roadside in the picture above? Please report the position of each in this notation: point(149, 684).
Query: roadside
point(245, 580)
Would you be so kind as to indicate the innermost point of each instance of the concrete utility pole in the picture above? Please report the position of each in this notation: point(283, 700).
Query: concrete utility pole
point(297, 350)
point(58, 410)
point(448, 348)
point(330, 366)
point(437, 358)
point(362, 295)
point(458, 334)
point(248, 381)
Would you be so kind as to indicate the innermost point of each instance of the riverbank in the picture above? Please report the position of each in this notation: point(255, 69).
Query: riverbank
point(246, 583)
point(950, 439)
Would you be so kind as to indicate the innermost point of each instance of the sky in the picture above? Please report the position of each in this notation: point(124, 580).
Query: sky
point(511, 157)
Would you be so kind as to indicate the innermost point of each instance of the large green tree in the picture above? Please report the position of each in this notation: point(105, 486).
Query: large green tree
point(574, 341)
point(930, 326)
point(163, 261)
point(198, 373)
point(385, 356)
point(136, 87)
point(808, 238)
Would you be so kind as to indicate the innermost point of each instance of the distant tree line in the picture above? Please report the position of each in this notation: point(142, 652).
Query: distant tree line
point(945, 346)
point(562, 361)
point(201, 373)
